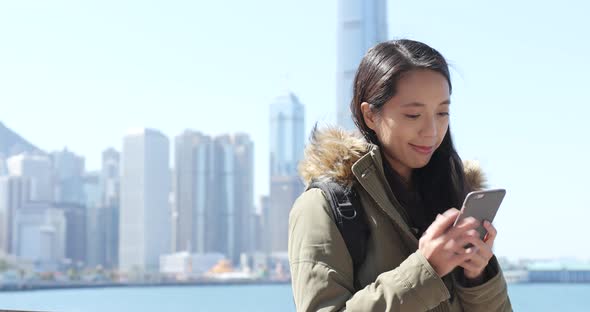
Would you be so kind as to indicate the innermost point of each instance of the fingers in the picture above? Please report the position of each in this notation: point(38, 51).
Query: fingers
point(462, 227)
point(458, 244)
point(472, 237)
point(465, 256)
point(476, 263)
point(442, 223)
point(445, 248)
point(491, 235)
point(479, 256)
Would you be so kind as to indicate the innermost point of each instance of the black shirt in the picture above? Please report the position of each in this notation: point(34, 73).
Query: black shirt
point(416, 214)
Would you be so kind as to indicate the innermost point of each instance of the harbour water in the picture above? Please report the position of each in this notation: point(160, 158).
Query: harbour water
point(259, 298)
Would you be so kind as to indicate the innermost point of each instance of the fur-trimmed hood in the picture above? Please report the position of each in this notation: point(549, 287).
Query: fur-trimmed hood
point(332, 151)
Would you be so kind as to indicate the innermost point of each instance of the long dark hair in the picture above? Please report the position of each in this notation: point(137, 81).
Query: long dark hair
point(441, 183)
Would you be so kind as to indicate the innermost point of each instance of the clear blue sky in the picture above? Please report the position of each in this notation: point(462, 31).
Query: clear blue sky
point(80, 73)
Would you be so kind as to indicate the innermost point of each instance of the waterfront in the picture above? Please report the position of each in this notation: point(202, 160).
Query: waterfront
point(259, 298)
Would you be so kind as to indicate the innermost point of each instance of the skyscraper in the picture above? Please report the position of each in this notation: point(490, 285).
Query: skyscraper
point(361, 25)
point(110, 177)
point(14, 193)
point(214, 193)
point(75, 216)
point(39, 234)
point(232, 202)
point(145, 213)
point(262, 225)
point(287, 122)
point(95, 220)
point(110, 188)
point(284, 190)
point(287, 143)
point(38, 169)
point(192, 172)
point(244, 195)
point(69, 182)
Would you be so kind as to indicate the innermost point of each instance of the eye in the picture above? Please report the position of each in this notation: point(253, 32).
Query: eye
point(412, 116)
point(444, 114)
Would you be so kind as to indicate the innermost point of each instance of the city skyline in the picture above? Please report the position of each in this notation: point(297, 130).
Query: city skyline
point(69, 77)
point(91, 201)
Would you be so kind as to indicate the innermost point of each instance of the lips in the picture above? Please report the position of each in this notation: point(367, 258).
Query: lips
point(425, 150)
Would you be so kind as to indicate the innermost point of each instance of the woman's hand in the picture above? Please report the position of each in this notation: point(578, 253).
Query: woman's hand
point(481, 252)
point(443, 246)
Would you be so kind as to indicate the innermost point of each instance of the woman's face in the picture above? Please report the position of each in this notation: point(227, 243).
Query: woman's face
point(413, 123)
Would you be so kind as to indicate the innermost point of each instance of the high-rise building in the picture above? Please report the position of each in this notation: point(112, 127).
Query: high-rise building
point(144, 221)
point(39, 233)
point(38, 169)
point(110, 188)
point(361, 25)
point(287, 144)
point(214, 194)
point(262, 226)
point(226, 212)
point(110, 177)
point(95, 221)
point(14, 193)
point(287, 132)
point(221, 211)
point(69, 177)
point(284, 190)
point(243, 180)
point(192, 177)
point(76, 231)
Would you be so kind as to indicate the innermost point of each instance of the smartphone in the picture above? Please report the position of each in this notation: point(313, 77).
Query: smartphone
point(481, 205)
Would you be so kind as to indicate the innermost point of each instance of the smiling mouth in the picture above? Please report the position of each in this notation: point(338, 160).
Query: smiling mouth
point(422, 149)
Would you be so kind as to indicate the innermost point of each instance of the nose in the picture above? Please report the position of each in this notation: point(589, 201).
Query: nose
point(429, 128)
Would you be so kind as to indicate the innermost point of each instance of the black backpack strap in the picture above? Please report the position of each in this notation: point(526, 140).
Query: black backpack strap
point(350, 220)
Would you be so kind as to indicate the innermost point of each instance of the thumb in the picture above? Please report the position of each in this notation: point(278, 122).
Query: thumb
point(443, 222)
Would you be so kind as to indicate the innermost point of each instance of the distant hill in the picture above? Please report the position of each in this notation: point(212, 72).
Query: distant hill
point(12, 144)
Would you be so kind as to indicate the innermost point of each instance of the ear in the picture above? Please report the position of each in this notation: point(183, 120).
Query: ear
point(368, 115)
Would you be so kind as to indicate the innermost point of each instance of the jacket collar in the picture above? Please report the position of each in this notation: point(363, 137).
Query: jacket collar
point(346, 157)
point(369, 172)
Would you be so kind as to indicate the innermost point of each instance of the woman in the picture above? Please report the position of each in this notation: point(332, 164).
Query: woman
point(407, 176)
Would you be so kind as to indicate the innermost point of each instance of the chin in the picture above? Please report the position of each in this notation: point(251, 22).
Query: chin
point(420, 164)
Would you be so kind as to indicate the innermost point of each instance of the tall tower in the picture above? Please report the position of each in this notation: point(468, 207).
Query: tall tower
point(111, 196)
point(361, 25)
point(144, 229)
point(192, 177)
point(286, 150)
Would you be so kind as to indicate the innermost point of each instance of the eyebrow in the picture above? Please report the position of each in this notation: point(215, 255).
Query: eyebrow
point(418, 104)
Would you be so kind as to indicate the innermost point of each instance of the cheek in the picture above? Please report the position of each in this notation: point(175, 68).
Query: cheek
point(406, 132)
point(442, 131)
point(394, 132)
point(399, 137)
point(384, 130)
